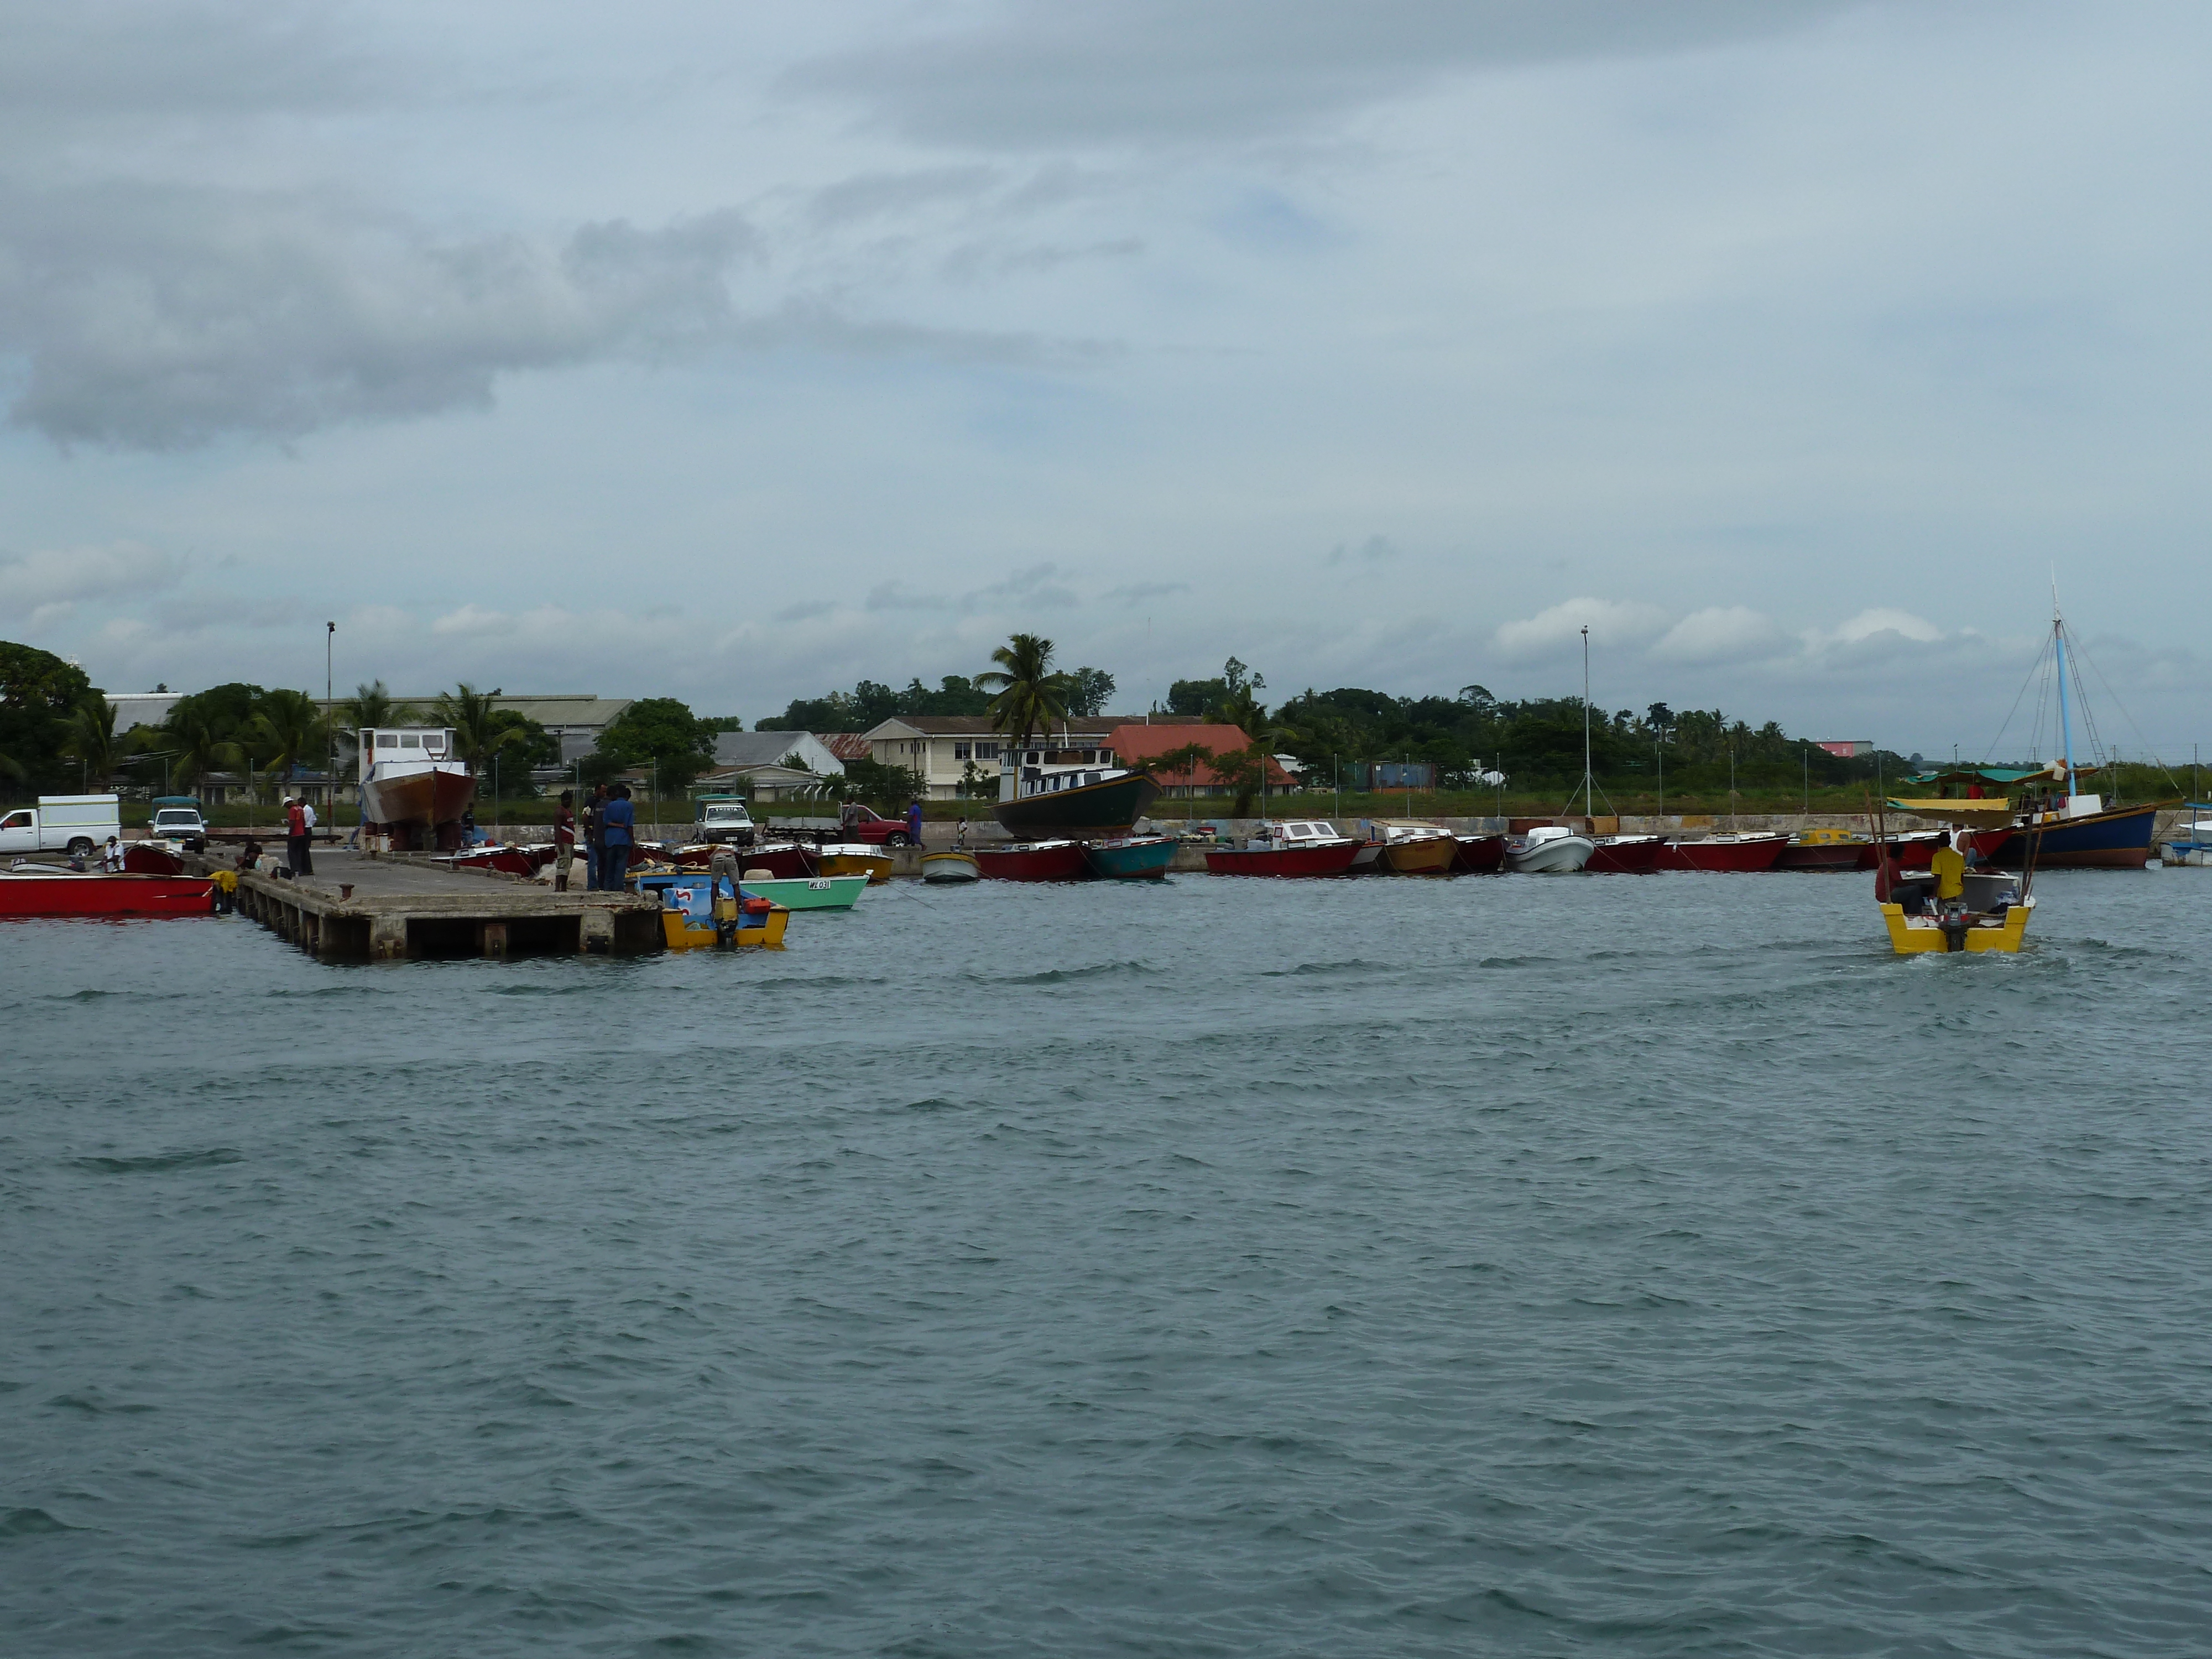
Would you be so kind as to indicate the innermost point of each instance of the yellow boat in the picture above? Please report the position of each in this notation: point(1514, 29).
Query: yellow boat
point(1413, 846)
point(1909, 935)
point(855, 859)
point(1992, 915)
point(689, 913)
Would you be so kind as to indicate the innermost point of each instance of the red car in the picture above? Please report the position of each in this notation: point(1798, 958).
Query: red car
point(862, 824)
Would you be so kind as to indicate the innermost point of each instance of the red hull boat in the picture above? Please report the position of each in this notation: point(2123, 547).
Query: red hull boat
point(510, 861)
point(1626, 855)
point(1478, 855)
point(1329, 859)
point(1828, 855)
point(1047, 861)
point(1723, 853)
point(50, 892)
point(147, 858)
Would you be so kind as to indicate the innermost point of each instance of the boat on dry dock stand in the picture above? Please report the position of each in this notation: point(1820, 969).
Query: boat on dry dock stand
point(1728, 852)
point(1287, 846)
point(412, 789)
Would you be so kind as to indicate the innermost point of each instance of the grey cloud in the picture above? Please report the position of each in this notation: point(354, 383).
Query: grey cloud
point(806, 610)
point(1138, 593)
point(68, 64)
point(53, 577)
point(1152, 71)
point(161, 316)
point(1374, 550)
point(872, 195)
point(1034, 585)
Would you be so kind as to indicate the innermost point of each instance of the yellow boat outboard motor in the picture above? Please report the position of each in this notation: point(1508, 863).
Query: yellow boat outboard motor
point(722, 873)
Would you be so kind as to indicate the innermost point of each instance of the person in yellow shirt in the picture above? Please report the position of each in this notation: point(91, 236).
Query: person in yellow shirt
point(1948, 866)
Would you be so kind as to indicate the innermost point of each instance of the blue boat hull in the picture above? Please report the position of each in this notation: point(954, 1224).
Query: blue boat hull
point(1134, 860)
point(2118, 840)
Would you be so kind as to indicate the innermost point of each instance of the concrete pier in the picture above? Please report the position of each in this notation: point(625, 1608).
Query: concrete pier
point(358, 907)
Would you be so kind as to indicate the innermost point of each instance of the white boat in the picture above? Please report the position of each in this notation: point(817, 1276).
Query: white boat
point(1549, 850)
point(410, 783)
point(2189, 844)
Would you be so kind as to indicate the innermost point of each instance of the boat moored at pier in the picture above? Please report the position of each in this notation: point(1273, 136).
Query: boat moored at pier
point(1287, 846)
point(1625, 855)
point(1411, 847)
point(1725, 852)
point(1130, 858)
point(1042, 860)
point(43, 889)
point(1549, 850)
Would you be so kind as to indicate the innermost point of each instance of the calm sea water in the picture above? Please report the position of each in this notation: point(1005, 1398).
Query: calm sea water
point(1604, 1266)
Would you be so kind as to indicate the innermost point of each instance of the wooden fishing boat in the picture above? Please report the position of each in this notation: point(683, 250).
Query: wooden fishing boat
point(1134, 857)
point(1992, 915)
point(1411, 847)
point(1042, 860)
point(1549, 850)
point(950, 869)
point(852, 858)
point(508, 859)
point(411, 788)
point(1478, 855)
point(1626, 855)
point(151, 858)
point(808, 892)
point(1287, 846)
point(693, 917)
point(1725, 852)
point(40, 890)
point(1826, 849)
point(1073, 799)
point(2115, 838)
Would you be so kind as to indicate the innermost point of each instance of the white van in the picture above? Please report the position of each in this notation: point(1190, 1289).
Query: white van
point(76, 825)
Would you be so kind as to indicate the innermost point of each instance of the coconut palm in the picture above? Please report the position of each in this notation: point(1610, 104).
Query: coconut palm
point(479, 734)
point(89, 737)
point(202, 745)
point(287, 728)
point(1031, 695)
point(372, 705)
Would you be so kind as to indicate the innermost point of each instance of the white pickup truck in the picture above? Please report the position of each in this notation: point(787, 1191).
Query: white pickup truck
point(76, 825)
point(723, 818)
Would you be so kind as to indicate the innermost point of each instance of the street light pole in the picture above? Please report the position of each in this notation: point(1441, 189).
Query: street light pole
point(330, 731)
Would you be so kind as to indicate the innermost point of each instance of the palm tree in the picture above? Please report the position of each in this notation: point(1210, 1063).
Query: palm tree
point(372, 705)
point(287, 728)
point(202, 745)
point(89, 737)
point(477, 733)
point(1031, 695)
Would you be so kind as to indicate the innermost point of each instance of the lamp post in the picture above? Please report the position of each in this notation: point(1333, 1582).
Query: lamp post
point(330, 731)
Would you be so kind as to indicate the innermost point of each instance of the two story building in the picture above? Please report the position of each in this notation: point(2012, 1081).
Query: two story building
point(950, 751)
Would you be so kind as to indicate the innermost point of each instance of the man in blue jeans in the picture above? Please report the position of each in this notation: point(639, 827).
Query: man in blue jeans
point(618, 823)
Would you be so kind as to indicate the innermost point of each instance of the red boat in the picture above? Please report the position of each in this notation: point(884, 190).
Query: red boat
point(1626, 855)
point(1478, 855)
point(1723, 853)
point(1300, 848)
point(1912, 850)
point(1041, 860)
point(151, 858)
point(524, 861)
point(42, 890)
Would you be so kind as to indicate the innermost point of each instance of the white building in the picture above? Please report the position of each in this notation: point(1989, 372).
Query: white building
point(947, 749)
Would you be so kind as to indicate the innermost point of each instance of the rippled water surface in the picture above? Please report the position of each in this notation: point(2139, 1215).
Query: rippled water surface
point(1624, 1266)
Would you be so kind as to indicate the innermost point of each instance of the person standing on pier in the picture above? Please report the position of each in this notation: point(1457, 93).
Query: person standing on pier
point(595, 806)
point(913, 822)
point(617, 826)
point(564, 840)
point(297, 852)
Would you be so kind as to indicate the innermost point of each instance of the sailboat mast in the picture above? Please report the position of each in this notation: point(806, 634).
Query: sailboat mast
point(2065, 726)
point(1589, 793)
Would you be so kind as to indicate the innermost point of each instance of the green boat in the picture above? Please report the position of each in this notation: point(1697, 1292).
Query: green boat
point(811, 892)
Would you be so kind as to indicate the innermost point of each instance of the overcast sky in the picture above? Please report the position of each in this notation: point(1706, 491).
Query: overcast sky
point(735, 352)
